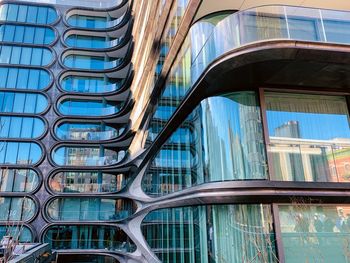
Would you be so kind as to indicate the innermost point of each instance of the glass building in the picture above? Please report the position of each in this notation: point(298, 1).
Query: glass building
point(176, 130)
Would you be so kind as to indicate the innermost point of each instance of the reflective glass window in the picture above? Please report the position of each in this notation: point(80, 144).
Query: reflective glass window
point(86, 156)
point(89, 209)
point(30, 103)
point(85, 41)
point(90, 84)
point(25, 235)
point(26, 34)
point(32, 56)
point(18, 180)
point(221, 141)
point(88, 237)
point(21, 127)
point(91, 62)
point(315, 233)
point(87, 131)
point(87, 182)
point(309, 137)
point(87, 21)
point(27, 13)
point(20, 153)
point(17, 208)
point(212, 233)
point(88, 108)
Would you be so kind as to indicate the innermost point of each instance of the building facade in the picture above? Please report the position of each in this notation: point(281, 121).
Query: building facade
point(177, 131)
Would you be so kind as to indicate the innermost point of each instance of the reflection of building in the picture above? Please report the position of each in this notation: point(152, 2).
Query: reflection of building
point(289, 129)
point(139, 131)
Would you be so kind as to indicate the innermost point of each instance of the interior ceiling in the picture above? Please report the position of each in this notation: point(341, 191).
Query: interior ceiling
point(210, 6)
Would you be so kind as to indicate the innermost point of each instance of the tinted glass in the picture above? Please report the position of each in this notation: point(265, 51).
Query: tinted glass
point(18, 180)
point(87, 182)
point(21, 127)
point(30, 103)
point(31, 56)
point(20, 153)
point(90, 84)
point(88, 237)
point(16, 208)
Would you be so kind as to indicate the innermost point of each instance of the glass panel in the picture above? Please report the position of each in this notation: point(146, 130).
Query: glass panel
point(90, 209)
point(90, 84)
point(222, 140)
point(87, 21)
point(309, 137)
point(88, 108)
point(14, 102)
point(22, 153)
point(87, 131)
point(62, 258)
point(38, 56)
point(16, 208)
point(92, 63)
point(87, 182)
point(86, 156)
point(25, 235)
point(315, 233)
point(212, 233)
point(88, 237)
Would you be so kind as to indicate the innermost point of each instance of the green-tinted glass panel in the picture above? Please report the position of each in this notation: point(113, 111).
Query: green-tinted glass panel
point(315, 233)
point(106, 238)
point(212, 233)
point(90, 209)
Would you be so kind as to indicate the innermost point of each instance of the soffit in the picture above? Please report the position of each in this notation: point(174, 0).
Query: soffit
point(211, 6)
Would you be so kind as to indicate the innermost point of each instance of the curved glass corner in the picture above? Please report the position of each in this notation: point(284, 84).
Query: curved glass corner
point(87, 182)
point(223, 141)
point(89, 209)
point(93, 42)
point(245, 27)
point(94, 22)
point(73, 236)
point(86, 156)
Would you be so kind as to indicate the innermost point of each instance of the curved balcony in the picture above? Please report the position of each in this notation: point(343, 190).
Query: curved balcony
point(89, 209)
point(252, 28)
point(18, 180)
point(97, 19)
point(93, 156)
point(88, 108)
point(108, 238)
point(28, 13)
point(99, 40)
point(86, 182)
point(36, 35)
point(95, 60)
point(82, 131)
point(92, 82)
